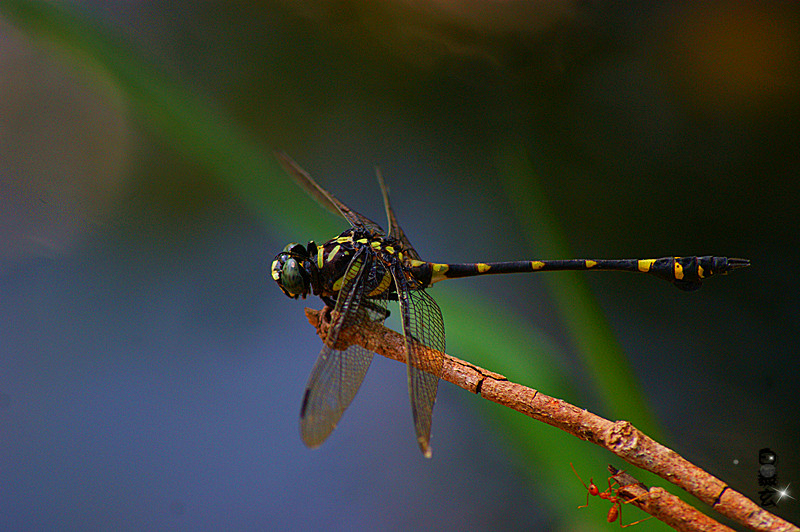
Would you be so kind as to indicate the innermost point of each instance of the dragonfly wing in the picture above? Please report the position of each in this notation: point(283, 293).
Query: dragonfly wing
point(423, 327)
point(325, 198)
point(394, 228)
point(338, 374)
point(334, 381)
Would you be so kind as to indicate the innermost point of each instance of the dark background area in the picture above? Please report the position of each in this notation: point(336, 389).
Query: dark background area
point(150, 371)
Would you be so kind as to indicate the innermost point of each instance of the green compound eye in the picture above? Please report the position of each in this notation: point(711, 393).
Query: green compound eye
point(289, 271)
point(292, 278)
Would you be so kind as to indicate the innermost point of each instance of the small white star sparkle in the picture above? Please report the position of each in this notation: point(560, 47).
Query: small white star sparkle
point(783, 492)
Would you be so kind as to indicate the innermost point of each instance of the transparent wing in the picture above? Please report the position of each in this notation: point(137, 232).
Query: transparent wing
point(334, 381)
point(423, 327)
point(394, 227)
point(338, 374)
point(325, 198)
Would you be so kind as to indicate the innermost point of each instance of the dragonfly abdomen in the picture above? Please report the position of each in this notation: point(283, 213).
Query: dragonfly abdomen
point(687, 273)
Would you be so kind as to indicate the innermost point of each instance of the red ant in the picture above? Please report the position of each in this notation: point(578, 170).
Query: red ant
point(612, 496)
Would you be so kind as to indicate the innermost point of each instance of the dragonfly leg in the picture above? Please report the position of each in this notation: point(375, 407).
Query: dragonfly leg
point(325, 320)
point(325, 315)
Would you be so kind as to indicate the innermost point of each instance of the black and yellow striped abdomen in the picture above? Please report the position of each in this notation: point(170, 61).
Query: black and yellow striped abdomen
point(687, 273)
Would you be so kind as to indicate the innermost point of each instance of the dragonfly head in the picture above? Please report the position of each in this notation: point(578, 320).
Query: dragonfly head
point(290, 270)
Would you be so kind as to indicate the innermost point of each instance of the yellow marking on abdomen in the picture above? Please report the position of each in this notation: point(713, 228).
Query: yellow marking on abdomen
point(417, 263)
point(439, 272)
point(333, 252)
point(646, 264)
point(382, 286)
point(678, 269)
point(591, 263)
point(537, 265)
point(700, 272)
point(483, 268)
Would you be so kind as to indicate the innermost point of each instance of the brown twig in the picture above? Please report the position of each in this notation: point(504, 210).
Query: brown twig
point(663, 505)
point(619, 437)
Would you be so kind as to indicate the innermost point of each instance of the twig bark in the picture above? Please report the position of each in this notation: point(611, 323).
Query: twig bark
point(663, 505)
point(619, 437)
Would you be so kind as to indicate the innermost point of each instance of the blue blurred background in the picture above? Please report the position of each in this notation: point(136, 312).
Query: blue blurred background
point(150, 370)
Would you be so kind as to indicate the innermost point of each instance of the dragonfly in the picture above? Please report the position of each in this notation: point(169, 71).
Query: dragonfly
point(357, 273)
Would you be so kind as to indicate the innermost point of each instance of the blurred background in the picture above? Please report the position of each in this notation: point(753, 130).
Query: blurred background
point(150, 370)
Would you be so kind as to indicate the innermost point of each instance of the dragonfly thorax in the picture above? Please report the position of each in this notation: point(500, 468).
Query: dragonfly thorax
point(321, 269)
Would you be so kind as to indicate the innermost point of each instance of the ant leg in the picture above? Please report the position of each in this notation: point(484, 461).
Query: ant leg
point(634, 523)
point(631, 500)
point(626, 501)
point(611, 485)
point(588, 489)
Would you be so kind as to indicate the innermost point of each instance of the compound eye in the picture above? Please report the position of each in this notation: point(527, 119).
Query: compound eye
point(294, 248)
point(292, 278)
